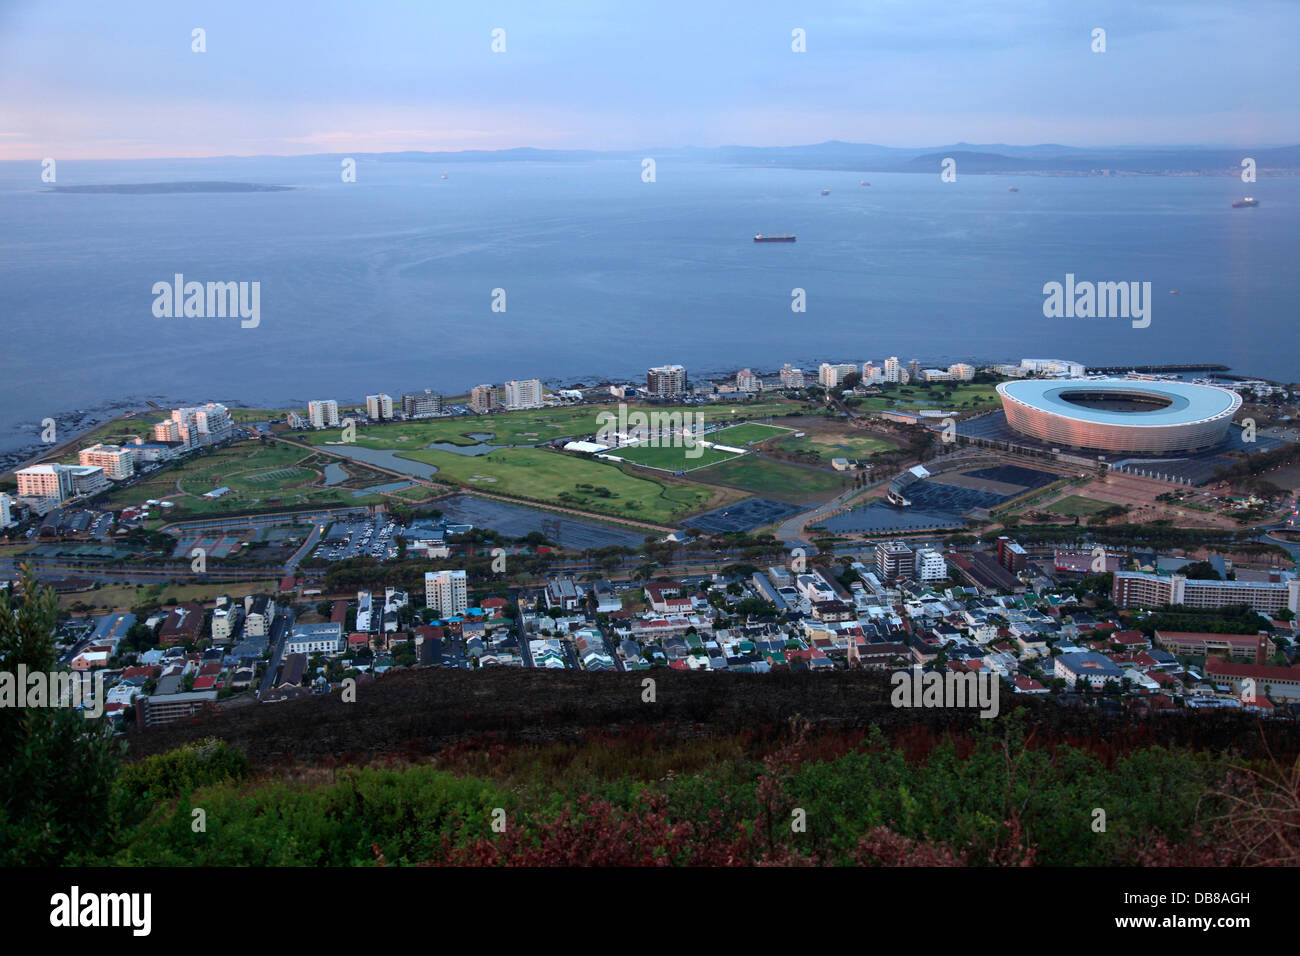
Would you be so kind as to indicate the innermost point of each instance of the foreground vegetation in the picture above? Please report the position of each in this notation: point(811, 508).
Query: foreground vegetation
point(990, 797)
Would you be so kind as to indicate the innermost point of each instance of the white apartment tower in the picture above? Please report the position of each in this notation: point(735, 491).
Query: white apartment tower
point(831, 376)
point(323, 413)
point(446, 592)
point(379, 408)
point(791, 377)
point(524, 394)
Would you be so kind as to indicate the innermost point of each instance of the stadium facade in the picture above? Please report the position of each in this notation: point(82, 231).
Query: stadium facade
point(1120, 415)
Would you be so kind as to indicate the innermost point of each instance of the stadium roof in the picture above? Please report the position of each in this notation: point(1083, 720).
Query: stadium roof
point(1188, 403)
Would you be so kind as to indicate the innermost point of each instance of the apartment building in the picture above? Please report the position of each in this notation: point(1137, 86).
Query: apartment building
point(961, 372)
point(666, 381)
point(426, 404)
point(832, 376)
point(118, 462)
point(747, 381)
point(225, 623)
point(166, 708)
point(1011, 555)
point(1058, 367)
point(325, 638)
point(446, 592)
point(379, 408)
point(791, 377)
point(45, 481)
point(486, 398)
point(1144, 589)
point(523, 394)
point(872, 374)
point(323, 413)
point(259, 612)
point(196, 426)
point(894, 559)
point(929, 565)
point(892, 369)
point(6, 511)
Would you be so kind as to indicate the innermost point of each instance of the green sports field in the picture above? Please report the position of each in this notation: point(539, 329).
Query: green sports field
point(774, 479)
point(841, 445)
point(1076, 506)
point(574, 481)
point(669, 458)
point(738, 436)
point(533, 427)
point(258, 475)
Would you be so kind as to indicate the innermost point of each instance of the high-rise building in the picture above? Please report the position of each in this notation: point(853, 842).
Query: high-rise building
point(747, 381)
point(524, 394)
point(426, 404)
point(1142, 589)
point(446, 592)
point(666, 381)
point(6, 511)
point(1011, 555)
point(1058, 367)
point(832, 376)
point(118, 462)
point(872, 374)
point(791, 377)
point(929, 565)
point(196, 426)
point(379, 408)
point(892, 369)
point(323, 413)
point(894, 559)
point(45, 481)
point(486, 398)
point(961, 372)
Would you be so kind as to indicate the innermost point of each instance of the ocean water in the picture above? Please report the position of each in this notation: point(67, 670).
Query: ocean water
point(386, 284)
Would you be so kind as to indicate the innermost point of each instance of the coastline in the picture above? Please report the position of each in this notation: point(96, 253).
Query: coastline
point(82, 422)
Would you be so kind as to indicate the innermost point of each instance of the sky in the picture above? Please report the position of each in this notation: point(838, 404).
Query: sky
point(85, 80)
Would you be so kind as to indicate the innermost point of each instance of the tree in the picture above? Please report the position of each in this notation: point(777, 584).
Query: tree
point(56, 766)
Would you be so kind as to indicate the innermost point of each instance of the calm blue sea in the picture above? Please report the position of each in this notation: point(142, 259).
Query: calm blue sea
point(386, 283)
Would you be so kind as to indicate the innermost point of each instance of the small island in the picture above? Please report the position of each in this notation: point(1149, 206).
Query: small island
point(183, 187)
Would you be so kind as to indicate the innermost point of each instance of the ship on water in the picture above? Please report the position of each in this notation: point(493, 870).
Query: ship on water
point(781, 237)
point(865, 183)
point(826, 192)
point(1013, 189)
point(1242, 203)
point(444, 175)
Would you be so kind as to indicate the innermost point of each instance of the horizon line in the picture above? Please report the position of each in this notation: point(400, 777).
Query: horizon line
point(649, 150)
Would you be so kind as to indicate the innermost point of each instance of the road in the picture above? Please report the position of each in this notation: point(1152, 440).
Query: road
point(292, 564)
point(525, 652)
point(280, 630)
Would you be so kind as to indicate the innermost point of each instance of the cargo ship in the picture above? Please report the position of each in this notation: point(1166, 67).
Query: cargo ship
point(774, 238)
point(1248, 201)
point(1013, 189)
point(826, 192)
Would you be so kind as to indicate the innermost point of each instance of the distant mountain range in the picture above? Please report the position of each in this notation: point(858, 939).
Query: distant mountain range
point(866, 157)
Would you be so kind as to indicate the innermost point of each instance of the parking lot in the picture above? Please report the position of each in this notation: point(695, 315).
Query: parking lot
point(364, 537)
